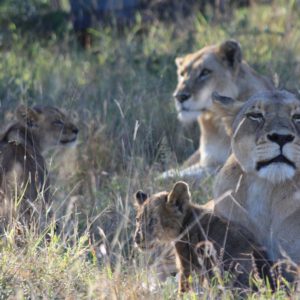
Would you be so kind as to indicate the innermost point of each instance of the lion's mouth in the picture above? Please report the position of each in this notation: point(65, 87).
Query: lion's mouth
point(183, 109)
point(68, 141)
point(278, 159)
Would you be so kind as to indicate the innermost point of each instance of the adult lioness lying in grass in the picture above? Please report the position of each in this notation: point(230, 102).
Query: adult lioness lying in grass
point(203, 241)
point(259, 185)
point(213, 68)
point(24, 184)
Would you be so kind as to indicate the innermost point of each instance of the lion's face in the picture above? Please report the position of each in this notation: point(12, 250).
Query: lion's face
point(51, 126)
point(211, 69)
point(266, 135)
point(159, 217)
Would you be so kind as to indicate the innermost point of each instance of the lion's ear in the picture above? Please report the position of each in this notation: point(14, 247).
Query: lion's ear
point(178, 61)
point(227, 109)
point(179, 197)
point(140, 197)
point(27, 116)
point(231, 53)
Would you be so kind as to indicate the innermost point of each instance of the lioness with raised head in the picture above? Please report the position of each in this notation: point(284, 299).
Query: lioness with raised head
point(259, 186)
point(24, 184)
point(202, 240)
point(213, 68)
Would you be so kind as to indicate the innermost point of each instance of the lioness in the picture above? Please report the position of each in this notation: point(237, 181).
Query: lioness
point(24, 184)
point(213, 68)
point(259, 186)
point(202, 240)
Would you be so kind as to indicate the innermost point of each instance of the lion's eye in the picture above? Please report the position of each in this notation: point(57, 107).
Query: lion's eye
point(296, 118)
point(58, 123)
point(255, 116)
point(204, 73)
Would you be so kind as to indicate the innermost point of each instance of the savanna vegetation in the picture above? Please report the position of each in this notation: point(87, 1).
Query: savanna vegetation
point(120, 93)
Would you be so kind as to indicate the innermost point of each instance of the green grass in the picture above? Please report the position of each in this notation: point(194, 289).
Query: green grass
point(121, 94)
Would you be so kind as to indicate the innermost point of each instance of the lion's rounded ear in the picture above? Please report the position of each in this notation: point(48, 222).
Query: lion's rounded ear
point(231, 52)
point(227, 109)
point(27, 116)
point(178, 61)
point(180, 196)
point(140, 197)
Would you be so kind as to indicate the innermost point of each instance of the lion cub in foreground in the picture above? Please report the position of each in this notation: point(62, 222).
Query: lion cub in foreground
point(24, 185)
point(203, 242)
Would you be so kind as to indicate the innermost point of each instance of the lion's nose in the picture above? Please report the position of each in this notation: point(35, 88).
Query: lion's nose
point(281, 139)
point(181, 97)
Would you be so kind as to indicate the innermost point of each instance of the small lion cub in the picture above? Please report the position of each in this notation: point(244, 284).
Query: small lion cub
point(24, 183)
point(203, 242)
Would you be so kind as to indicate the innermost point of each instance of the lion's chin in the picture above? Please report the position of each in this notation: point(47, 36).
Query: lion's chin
point(188, 116)
point(277, 172)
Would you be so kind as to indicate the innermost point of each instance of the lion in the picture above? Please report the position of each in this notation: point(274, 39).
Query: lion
point(259, 185)
point(202, 241)
point(217, 68)
point(24, 184)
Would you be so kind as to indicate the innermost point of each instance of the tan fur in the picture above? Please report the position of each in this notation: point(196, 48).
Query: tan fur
point(263, 195)
point(24, 183)
point(227, 74)
point(171, 217)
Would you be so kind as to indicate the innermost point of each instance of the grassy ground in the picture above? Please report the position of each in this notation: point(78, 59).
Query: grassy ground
point(120, 94)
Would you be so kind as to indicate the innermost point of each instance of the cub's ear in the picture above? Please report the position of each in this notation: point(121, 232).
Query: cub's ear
point(231, 53)
point(227, 108)
point(178, 61)
point(27, 116)
point(179, 197)
point(140, 197)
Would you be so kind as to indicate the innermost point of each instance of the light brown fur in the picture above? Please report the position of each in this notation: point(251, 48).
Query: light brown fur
point(24, 183)
point(171, 217)
point(259, 186)
point(213, 68)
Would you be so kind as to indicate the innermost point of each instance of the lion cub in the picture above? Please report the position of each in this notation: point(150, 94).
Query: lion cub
point(24, 185)
point(203, 241)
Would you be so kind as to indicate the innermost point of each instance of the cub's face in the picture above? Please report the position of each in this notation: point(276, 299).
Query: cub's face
point(159, 217)
point(211, 69)
point(266, 135)
point(51, 126)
